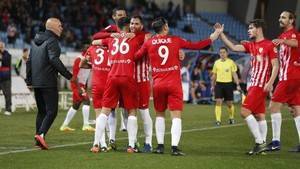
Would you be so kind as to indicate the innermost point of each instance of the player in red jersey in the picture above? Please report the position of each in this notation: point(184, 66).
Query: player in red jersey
point(121, 83)
point(113, 31)
point(263, 61)
point(163, 51)
point(288, 87)
point(96, 58)
point(79, 90)
point(143, 82)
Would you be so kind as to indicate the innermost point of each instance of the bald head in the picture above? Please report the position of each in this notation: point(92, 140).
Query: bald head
point(54, 25)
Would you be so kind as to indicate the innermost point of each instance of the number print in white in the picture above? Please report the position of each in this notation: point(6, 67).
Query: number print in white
point(100, 53)
point(123, 47)
point(164, 54)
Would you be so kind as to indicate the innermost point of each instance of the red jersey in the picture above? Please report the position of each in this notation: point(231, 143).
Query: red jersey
point(121, 56)
point(98, 57)
point(142, 65)
point(105, 33)
point(262, 53)
point(163, 52)
point(81, 74)
point(287, 56)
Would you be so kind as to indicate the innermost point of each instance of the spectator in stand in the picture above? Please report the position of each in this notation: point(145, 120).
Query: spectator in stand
point(197, 84)
point(5, 77)
point(21, 64)
point(12, 33)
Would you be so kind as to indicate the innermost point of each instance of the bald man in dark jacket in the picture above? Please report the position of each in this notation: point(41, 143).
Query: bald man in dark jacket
point(42, 70)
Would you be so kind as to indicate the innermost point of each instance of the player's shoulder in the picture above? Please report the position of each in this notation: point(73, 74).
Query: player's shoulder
point(268, 43)
point(229, 60)
point(218, 61)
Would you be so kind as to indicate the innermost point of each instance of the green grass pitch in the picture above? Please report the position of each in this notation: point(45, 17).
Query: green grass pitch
point(205, 145)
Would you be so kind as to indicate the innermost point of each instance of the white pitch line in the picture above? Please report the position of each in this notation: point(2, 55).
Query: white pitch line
point(124, 138)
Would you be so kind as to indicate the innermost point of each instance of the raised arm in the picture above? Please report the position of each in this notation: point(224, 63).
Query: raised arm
point(141, 52)
point(230, 45)
point(290, 42)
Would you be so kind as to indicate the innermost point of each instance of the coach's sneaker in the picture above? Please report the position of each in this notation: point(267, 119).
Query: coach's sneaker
point(295, 149)
point(88, 128)
point(95, 149)
point(147, 148)
point(258, 149)
point(218, 123)
point(112, 145)
point(231, 121)
point(66, 128)
point(132, 150)
point(176, 151)
point(159, 149)
point(41, 141)
point(37, 144)
point(274, 146)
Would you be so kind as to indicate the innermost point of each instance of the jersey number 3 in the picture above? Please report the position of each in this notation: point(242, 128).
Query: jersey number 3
point(100, 54)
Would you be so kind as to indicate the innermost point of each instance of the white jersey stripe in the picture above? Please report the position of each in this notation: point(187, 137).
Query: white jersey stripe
point(263, 78)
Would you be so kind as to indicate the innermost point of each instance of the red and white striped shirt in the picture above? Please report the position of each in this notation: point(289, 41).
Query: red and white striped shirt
point(262, 53)
point(287, 56)
point(81, 74)
point(142, 70)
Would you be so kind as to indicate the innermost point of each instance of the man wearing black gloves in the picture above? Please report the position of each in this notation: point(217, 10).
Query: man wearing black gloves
point(42, 70)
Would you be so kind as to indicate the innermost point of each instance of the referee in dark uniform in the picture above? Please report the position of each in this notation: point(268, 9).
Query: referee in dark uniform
point(224, 71)
point(42, 70)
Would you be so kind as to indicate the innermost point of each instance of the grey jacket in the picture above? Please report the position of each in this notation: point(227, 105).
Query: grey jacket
point(44, 64)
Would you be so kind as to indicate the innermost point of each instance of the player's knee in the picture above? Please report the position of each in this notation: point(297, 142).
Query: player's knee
point(275, 107)
point(175, 114)
point(218, 102)
point(260, 117)
point(245, 112)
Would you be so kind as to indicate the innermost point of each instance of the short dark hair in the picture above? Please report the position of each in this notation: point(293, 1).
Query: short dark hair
point(258, 23)
point(114, 12)
point(223, 47)
point(292, 15)
point(122, 22)
point(25, 49)
point(158, 24)
point(138, 17)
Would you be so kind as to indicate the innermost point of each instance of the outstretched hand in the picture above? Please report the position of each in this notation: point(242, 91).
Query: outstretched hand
point(277, 41)
point(218, 30)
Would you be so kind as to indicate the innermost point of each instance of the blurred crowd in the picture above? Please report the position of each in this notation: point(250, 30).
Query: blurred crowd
point(23, 18)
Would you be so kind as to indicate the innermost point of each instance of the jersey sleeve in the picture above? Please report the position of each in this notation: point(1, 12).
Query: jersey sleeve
point(193, 45)
point(233, 66)
point(88, 54)
point(106, 32)
point(272, 53)
point(141, 52)
point(101, 35)
point(105, 41)
point(246, 46)
point(76, 67)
